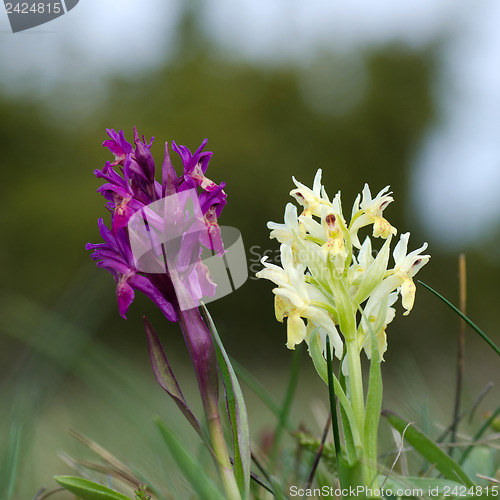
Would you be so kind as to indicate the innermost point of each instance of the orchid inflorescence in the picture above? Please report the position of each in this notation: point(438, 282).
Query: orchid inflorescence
point(132, 189)
point(346, 294)
point(327, 275)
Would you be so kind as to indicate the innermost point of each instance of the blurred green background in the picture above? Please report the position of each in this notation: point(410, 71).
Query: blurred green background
point(68, 359)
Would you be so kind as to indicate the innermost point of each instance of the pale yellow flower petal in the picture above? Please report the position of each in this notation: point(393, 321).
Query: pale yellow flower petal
point(296, 330)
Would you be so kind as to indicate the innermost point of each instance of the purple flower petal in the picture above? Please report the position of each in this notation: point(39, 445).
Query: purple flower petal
point(131, 189)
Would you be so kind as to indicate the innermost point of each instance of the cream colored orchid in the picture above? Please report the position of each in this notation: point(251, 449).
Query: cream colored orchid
point(330, 235)
point(370, 212)
point(376, 316)
point(327, 275)
point(313, 200)
point(328, 280)
point(401, 276)
point(290, 230)
point(406, 266)
point(296, 299)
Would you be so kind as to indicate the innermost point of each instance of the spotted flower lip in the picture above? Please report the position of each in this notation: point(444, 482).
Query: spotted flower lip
point(130, 188)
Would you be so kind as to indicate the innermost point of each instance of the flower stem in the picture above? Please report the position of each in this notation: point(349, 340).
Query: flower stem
point(355, 380)
point(219, 447)
point(202, 352)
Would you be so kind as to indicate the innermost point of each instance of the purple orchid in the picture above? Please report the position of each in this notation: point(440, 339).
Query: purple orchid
point(129, 188)
point(155, 246)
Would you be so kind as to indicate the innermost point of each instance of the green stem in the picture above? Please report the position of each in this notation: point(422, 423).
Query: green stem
point(219, 446)
point(355, 380)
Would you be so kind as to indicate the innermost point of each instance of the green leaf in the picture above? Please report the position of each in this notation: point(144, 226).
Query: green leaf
point(166, 378)
point(333, 407)
point(373, 402)
point(237, 412)
point(428, 449)
point(191, 468)
point(88, 490)
point(352, 454)
point(351, 475)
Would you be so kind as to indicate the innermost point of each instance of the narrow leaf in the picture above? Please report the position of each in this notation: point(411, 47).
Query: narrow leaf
point(429, 450)
point(333, 407)
point(373, 399)
point(166, 378)
point(191, 468)
point(88, 490)
point(237, 412)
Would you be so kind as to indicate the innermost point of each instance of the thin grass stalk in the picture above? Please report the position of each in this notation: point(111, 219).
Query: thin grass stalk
point(462, 274)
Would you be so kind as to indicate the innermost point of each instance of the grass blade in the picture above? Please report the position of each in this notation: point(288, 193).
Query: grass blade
point(88, 490)
point(373, 399)
point(191, 468)
point(333, 403)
